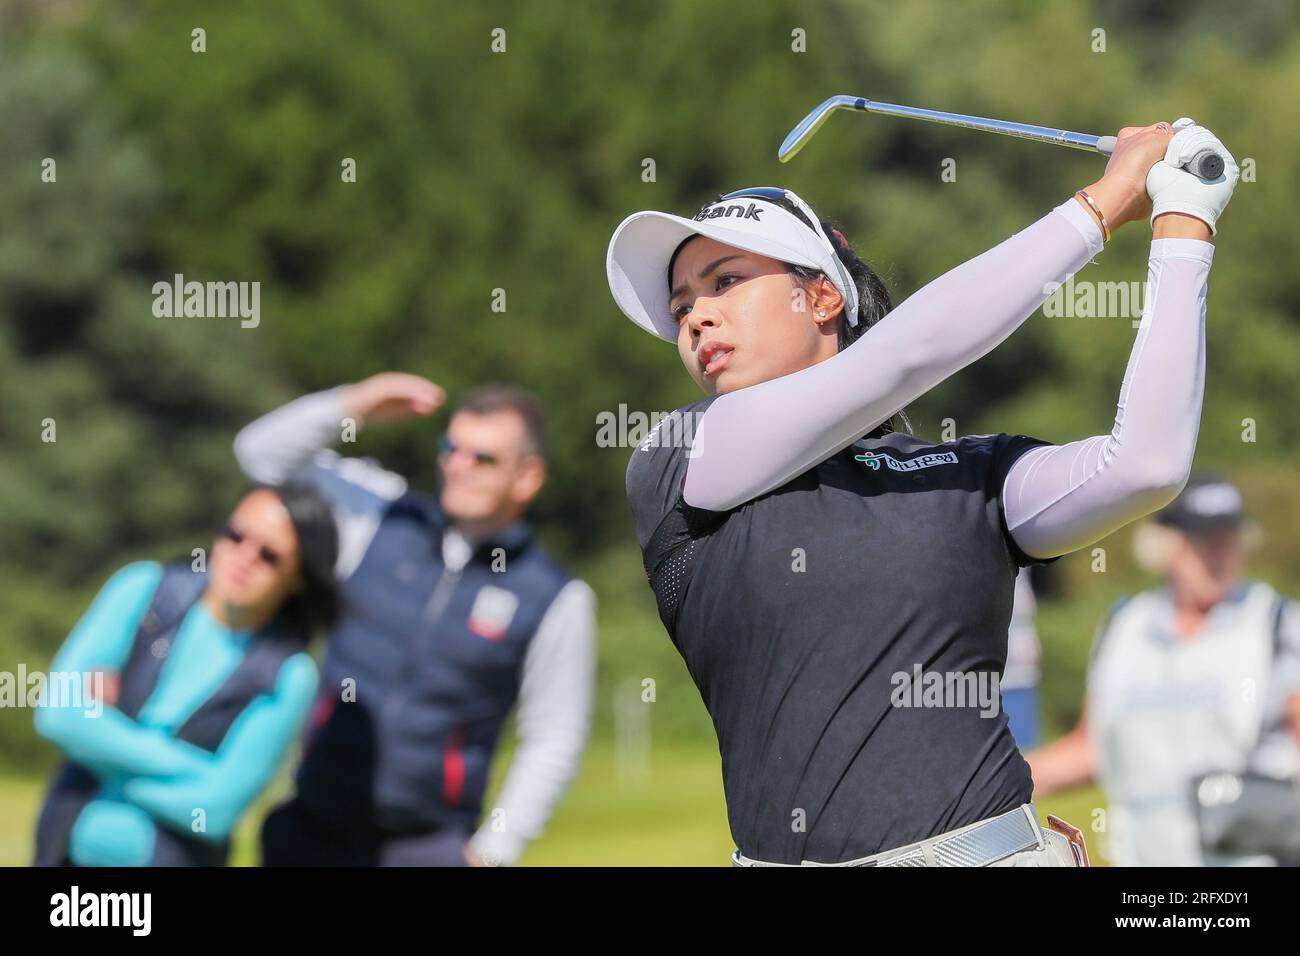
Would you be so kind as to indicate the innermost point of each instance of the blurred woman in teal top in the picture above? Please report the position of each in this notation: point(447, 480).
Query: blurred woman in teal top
point(197, 684)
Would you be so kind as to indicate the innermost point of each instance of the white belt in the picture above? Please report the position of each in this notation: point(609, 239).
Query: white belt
point(977, 844)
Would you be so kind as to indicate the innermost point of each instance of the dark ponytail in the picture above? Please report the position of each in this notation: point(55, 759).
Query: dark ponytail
point(315, 606)
point(873, 305)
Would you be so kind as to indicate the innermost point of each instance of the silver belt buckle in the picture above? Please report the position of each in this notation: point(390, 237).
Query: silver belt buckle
point(999, 837)
point(983, 843)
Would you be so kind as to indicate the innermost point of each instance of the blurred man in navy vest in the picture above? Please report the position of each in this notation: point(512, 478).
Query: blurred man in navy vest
point(451, 617)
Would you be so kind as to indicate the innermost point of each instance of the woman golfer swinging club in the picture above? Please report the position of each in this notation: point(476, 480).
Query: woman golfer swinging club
point(819, 571)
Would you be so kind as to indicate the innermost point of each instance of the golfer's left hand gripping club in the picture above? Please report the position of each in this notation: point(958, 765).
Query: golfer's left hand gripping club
point(1207, 164)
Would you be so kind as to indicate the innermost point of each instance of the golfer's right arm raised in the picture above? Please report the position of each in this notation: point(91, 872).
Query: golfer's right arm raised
point(755, 439)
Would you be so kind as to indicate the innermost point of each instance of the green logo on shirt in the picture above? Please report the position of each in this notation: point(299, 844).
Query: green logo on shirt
point(874, 459)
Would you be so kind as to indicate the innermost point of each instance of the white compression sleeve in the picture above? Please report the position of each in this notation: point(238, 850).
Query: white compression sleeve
point(1059, 498)
point(288, 438)
point(753, 440)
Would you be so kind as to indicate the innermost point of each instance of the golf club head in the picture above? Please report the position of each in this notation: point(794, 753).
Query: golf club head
point(809, 125)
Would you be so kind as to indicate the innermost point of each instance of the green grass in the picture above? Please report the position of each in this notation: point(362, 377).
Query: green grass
point(673, 816)
point(20, 800)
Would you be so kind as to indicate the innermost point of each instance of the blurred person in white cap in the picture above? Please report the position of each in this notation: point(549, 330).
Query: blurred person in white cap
point(805, 555)
point(1190, 684)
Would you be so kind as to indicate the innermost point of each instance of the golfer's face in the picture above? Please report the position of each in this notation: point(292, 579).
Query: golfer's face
point(484, 469)
point(255, 560)
point(742, 318)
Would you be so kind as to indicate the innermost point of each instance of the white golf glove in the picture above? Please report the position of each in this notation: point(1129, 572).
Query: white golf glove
point(1174, 189)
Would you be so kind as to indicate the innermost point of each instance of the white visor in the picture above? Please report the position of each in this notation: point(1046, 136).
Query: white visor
point(643, 244)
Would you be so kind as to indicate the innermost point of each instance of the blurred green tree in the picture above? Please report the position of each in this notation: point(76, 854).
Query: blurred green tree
point(479, 171)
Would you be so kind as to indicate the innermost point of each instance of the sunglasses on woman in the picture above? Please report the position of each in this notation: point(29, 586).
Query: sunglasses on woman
point(269, 555)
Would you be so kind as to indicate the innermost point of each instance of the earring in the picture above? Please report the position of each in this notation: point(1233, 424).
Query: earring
point(822, 313)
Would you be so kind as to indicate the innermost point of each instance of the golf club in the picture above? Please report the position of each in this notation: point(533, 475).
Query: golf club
point(1207, 164)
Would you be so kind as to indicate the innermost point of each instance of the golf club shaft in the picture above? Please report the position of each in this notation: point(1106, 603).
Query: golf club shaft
point(1206, 163)
point(1043, 134)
